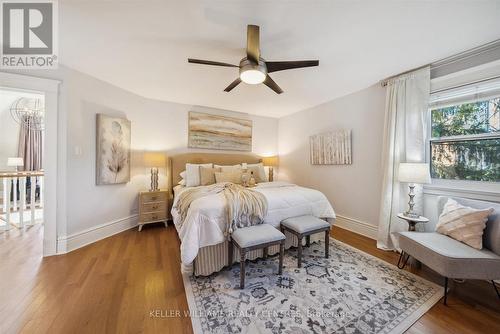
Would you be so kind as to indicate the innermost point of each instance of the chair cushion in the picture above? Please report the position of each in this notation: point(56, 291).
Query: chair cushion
point(304, 224)
point(449, 257)
point(256, 235)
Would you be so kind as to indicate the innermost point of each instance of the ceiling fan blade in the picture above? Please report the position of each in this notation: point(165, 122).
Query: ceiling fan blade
point(273, 85)
point(274, 66)
point(253, 43)
point(209, 62)
point(232, 85)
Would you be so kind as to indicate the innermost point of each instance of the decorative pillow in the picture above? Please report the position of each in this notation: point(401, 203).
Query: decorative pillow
point(463, 223)
point(234, 177)
point(259, 173)
point(182, 182)
point(207, 175)
point(193, 174)
point(225, 169)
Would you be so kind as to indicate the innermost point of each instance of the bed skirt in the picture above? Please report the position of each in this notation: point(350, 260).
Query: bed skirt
point(212, 259)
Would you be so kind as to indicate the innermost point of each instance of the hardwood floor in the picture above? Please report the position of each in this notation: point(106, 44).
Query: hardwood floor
point(130, 282)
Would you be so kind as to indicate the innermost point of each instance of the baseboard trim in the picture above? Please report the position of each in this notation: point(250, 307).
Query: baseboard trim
point(77, 240)
point(74, 241)
point(357, 226)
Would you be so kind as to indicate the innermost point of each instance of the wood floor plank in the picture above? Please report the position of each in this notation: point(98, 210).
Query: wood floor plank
point(112, 286)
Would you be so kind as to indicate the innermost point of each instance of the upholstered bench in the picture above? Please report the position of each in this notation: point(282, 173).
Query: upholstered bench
point(454, 259)
point(256, 237)
point(305, 226)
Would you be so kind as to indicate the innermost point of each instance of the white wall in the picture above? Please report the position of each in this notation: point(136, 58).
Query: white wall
point(354, 190)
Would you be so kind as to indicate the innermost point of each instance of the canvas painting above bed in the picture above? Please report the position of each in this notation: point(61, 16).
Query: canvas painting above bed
point(219, 132)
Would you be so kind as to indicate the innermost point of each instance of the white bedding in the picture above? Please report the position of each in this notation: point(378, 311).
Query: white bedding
point(207, 216)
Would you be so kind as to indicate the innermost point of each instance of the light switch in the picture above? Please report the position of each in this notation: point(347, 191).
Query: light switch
point(78, 151)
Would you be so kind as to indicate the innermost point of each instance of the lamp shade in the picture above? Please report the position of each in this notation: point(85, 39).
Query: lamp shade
point(270, 161)
point(15, 162)
point(154, 159)
point(414, 173)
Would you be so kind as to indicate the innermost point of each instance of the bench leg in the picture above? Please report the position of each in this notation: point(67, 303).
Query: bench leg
point(308, 240)
point(242, 268)
point(282, 254)
point(496, 289)
point(327, 243)
point(403, 259)
point(230, 253)
point(265, 252)
point(299, 252)
point(445, 290)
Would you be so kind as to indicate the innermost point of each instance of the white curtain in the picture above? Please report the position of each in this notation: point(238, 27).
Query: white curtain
point(406, 119)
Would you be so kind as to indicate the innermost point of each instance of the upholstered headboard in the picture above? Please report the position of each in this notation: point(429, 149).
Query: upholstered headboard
point(177, 163)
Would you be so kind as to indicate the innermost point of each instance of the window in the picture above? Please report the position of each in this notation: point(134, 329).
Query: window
point(465, 137)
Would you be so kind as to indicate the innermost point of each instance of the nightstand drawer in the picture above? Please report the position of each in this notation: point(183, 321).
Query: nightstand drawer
point(153, 216)
point(153, 207)
point(154, 197)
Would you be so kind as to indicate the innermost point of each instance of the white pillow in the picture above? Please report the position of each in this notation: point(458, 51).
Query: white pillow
point(193, 174)
point(463, 223)
point(261, 172)
point(182, 182)
point(225, 169)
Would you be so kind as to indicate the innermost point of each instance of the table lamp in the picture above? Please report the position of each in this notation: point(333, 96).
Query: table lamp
point(270, 162)
point(413, 173)
point(15, 162)
point(154, 161)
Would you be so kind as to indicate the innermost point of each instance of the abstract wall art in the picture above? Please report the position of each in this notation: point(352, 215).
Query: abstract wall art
point(112, 150)
point(219, 132)
point(331, 148)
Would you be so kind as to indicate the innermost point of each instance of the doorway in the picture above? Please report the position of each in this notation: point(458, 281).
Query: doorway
point(29, 197)
point(21, 156)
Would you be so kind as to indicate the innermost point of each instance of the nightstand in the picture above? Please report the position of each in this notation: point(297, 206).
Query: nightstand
point(153, 207)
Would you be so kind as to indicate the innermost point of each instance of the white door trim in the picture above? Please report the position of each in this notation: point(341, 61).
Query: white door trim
point(54, 160)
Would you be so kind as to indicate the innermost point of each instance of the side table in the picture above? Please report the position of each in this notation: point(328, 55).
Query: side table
point(412, 223)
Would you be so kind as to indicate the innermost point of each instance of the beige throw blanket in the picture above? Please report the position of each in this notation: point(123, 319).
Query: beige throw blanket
point(245, 207)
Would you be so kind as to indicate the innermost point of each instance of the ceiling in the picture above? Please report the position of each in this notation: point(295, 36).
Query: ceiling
point(143, 46)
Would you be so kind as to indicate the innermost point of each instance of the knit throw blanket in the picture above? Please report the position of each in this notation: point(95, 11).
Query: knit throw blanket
point(245, 207)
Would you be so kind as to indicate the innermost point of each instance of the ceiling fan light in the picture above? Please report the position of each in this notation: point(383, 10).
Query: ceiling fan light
point(252, 77)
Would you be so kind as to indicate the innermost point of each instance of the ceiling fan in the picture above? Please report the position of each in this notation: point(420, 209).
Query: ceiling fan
point(253, 68)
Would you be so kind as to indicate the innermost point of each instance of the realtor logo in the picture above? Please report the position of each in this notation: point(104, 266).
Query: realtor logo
point(28, 38)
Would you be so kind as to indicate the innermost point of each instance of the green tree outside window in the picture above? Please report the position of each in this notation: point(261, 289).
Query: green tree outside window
point(472, 158)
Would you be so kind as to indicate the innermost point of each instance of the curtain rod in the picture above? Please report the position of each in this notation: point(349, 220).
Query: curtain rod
point(384, 81)
point(451, 59)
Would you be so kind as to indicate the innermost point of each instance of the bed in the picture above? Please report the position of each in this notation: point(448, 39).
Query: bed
point(203, 246)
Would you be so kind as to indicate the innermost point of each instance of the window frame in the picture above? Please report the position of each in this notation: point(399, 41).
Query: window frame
point(483, 190)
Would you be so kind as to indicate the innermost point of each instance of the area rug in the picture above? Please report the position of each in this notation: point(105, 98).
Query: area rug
point(351, 292)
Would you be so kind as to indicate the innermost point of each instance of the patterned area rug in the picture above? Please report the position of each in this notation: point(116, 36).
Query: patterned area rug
point(351, 292)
